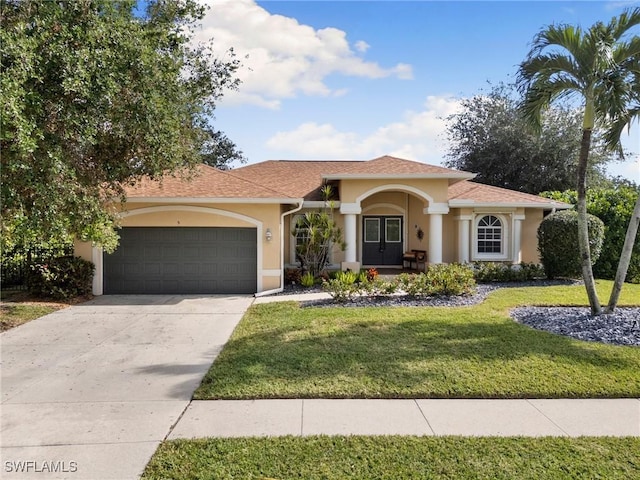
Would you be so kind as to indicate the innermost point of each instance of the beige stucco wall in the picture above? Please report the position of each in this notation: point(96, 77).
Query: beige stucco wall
point(449, 239)
point(83, 249)
point(529, 239)
point(351, 190)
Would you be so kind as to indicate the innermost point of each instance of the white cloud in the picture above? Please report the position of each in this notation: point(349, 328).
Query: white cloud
point(284, 58)
point(418, 136)
point(362, 46)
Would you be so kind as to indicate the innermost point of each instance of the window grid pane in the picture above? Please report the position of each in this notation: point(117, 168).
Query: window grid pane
point(489, 235)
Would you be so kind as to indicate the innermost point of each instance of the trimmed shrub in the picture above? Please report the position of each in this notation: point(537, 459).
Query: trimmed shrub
point(487, 272)
point(558, 243)
point(61, 278)
point(450, 279)
point(339, 290)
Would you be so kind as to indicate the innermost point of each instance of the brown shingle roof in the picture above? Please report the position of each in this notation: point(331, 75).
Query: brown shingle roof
point(486, 194)
point(304, 178)
point(293, 179)
point(388, 165)
point(208, 182)
point(299, 178)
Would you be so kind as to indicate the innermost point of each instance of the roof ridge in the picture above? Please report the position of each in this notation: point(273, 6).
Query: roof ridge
point(228, 172)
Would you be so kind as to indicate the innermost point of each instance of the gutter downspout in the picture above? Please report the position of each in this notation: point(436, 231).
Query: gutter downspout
point(281, 288)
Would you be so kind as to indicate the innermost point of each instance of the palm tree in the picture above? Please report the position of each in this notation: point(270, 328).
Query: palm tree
point(599, 66)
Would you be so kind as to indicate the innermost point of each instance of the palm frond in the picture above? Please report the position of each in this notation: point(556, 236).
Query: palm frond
point(542, 93)
point(621, 24)
point(615, 128)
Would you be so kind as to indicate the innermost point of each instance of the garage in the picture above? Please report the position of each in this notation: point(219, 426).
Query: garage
point(182, 260)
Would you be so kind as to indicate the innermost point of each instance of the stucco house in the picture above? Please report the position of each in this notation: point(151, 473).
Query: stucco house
point(231, 231)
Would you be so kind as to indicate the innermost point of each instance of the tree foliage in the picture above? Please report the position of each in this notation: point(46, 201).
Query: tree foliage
point(94, 99)
point(491, 138)
point(614, 206)
point(558, 242)
point(220, 152)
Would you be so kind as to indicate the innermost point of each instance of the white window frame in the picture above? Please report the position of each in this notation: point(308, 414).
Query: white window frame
point(503, 255)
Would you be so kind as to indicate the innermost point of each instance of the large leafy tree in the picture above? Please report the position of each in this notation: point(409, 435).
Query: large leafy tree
point(95, 97)
point(489, 137)
point(599, 67)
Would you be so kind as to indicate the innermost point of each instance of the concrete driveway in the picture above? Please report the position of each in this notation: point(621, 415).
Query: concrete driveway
point(90, 391)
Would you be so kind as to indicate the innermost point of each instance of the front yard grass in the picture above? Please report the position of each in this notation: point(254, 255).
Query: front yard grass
point(17, 307)
point(355, 457)
point(280, 350)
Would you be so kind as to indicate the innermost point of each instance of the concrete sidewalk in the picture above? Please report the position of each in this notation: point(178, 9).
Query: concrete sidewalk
point(531, 418)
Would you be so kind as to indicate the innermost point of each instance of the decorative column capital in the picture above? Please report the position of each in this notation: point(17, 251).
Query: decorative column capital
point(350, 208)
point(437, 208)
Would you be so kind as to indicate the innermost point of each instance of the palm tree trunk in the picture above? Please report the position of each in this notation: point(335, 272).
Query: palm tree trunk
point(625, 257)
point(583, 232)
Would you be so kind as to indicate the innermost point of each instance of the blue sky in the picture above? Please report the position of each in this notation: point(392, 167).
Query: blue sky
point(360, 79)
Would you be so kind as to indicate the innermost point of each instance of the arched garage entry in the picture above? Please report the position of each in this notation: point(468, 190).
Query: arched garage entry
point(185, 259)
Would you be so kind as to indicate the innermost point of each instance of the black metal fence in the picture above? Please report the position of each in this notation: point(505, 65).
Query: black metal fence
point(16, 264)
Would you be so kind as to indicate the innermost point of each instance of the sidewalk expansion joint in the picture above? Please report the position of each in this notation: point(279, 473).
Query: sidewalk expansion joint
point(424, 416)
point(184, 410)
point(548, 418)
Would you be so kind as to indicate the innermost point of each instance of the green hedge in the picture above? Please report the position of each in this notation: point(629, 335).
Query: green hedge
point(61, 278)
point(486, 272)
point(614, 206)
point(558, 243)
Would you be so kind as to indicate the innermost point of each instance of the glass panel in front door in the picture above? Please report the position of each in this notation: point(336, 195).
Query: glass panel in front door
point(393, 232)
point(371, 230)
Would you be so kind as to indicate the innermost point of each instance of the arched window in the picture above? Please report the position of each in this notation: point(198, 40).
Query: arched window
point(490, 235)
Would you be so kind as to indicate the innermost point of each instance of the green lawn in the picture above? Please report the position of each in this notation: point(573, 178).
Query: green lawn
point(393, 458)
point(13, 315)
point(282, 351)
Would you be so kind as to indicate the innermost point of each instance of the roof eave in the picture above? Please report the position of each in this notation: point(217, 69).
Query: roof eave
point(462, 203)
point(212, 200)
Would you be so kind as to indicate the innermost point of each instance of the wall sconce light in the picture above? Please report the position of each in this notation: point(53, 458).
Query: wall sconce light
point(268, 235)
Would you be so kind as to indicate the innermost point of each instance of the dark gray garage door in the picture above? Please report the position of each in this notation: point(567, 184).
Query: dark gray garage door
point(182, 260)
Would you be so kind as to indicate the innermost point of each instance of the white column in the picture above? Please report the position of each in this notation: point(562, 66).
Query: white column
point(435, 211)
point(517, 238)
point(350, 211)
point(435, 238)
point(350, 237)
point(97, 286)
point(464, 238)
